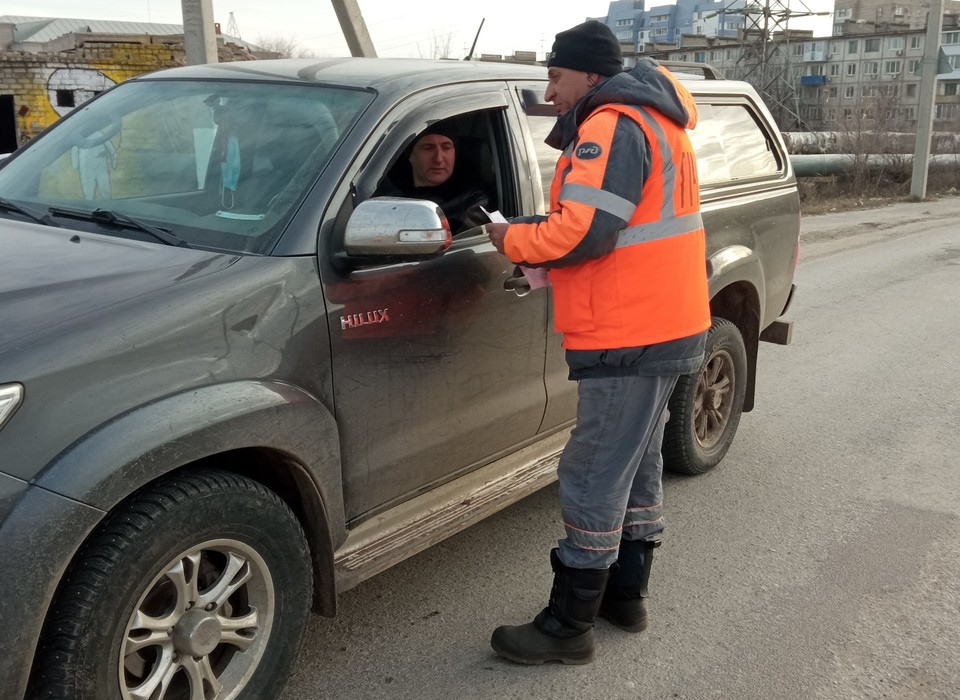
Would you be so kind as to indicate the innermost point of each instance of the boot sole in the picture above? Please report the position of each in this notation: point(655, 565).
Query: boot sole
point(635, 628)
point(539, 662)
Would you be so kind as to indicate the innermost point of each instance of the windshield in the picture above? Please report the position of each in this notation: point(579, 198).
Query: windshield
point(221, 165)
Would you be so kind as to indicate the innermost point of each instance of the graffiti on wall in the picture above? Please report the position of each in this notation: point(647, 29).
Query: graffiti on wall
point(68, 88)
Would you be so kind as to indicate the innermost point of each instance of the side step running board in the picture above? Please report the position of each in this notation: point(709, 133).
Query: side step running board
point(409, 528)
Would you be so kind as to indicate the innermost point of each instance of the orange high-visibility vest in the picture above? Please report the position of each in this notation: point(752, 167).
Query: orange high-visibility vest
point(652, 287)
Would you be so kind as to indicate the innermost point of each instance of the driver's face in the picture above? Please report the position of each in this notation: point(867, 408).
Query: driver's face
point(432, 160)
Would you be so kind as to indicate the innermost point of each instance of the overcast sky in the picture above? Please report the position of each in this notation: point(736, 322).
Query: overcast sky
point(398, 27)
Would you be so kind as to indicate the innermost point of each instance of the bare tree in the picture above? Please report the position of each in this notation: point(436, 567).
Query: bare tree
point(283, 47)
point(439, 46)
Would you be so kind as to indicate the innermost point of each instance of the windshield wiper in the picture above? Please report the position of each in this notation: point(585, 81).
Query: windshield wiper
point(105, 216)
point(28, 212)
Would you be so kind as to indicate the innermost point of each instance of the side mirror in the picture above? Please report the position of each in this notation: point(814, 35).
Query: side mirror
point(396, 227)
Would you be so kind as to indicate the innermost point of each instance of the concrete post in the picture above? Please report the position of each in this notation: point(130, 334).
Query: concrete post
point(199, 38)
point(928, 97)
point(354, 28)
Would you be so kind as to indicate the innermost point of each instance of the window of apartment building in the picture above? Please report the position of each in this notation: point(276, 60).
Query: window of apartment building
point(624, 22)
point(728, 54)
point(871, 68)
point(832, 92)
point(797, 49)
point(913, 66)
point(834, 69)
point(954, 61)
point(892, 67)
point(660, 18)
point(698, 29)
point(951, 38)
point(660, 31)
point(912, 90)
point(950, 89)
point(849, 91)
point(870, 45)
point(851, 69)
point(700, 56)
point(909, 113)
point(831, 114)
point(946, 111)
point(834, 48)
point(895, 43)
point(915, 42)
point(625, 35)
point(889, 90)
point(818, 69)
point(853, 46)
point(868, 91)
point(714, 55)
point(847, 113)
point(844, 13)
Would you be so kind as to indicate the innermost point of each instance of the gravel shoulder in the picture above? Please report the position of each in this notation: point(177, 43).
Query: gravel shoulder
point(823, 234)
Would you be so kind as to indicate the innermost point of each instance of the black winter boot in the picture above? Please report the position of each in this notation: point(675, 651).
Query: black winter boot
point(563, 631)
point(623, 601)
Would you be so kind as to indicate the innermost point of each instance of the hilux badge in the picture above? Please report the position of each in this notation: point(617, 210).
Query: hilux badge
point(364, 319)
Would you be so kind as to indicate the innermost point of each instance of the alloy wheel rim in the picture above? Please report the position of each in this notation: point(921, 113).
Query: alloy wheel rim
point(200, 629)
point(714, 399)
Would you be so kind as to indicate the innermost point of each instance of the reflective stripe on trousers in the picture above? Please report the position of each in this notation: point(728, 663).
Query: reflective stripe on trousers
point(610, 470)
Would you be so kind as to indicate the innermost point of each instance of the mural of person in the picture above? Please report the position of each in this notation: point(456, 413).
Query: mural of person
point(94, 164)
point(93, 161)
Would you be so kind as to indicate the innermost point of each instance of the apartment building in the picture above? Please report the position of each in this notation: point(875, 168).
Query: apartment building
point(867, 78)
point(636, 24)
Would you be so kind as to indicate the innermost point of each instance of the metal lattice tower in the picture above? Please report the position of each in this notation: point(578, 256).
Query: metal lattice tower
point(766, 58)
point(232, 28)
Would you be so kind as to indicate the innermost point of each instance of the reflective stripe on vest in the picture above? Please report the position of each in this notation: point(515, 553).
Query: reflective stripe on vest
point(598, 199)
point(665, 228)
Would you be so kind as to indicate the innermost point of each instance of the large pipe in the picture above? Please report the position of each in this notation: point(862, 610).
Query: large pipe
point(838, 163)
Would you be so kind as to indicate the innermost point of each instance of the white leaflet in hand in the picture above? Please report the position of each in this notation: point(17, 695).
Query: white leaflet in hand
point(495, 216)
point(536, 276)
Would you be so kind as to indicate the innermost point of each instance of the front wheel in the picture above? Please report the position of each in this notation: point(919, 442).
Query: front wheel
point(197, 588)
point(705, 407)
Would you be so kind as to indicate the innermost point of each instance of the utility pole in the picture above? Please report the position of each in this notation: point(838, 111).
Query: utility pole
point(354, 28)
point(199, 38)
point(928, 96)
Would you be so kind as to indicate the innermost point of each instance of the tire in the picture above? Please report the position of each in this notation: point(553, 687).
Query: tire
point(705, 407)
point(171, 587)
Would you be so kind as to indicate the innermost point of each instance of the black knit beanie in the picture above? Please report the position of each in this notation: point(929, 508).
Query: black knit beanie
point(590, 47)
point(442, 128)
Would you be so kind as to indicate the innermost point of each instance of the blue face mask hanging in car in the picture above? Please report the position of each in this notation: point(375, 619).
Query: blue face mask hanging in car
point(231, 173)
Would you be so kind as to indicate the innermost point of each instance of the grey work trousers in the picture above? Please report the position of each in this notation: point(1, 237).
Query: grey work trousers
point(611, 469)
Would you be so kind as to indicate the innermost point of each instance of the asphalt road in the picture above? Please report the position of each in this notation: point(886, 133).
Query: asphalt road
point(821, 559)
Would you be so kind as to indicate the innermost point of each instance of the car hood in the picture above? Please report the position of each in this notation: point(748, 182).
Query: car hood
point(50, 277)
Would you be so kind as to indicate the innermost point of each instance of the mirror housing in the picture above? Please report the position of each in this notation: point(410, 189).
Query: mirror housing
point(394, 227)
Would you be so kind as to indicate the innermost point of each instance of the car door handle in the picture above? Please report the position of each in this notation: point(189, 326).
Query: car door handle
point(518, 283)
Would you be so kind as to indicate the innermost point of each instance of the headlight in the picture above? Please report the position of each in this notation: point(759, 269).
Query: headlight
point(10, 397)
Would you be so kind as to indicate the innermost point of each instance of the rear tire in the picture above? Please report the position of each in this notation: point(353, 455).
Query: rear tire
point(705, 407)
point(199, 585)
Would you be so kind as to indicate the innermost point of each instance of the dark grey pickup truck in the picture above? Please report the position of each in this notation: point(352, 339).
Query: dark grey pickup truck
point(233, 384)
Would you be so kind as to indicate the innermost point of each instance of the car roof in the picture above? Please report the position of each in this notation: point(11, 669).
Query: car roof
point(390, 75)
point(378, 73)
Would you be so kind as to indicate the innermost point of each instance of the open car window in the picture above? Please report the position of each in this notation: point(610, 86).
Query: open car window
point(222, 165)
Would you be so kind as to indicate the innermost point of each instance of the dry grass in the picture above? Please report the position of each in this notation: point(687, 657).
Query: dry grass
point(829, 194)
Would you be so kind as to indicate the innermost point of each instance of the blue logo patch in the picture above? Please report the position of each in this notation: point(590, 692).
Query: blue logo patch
point(588, 151)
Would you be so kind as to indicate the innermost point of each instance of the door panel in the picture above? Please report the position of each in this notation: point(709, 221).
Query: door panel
point(437, 368)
